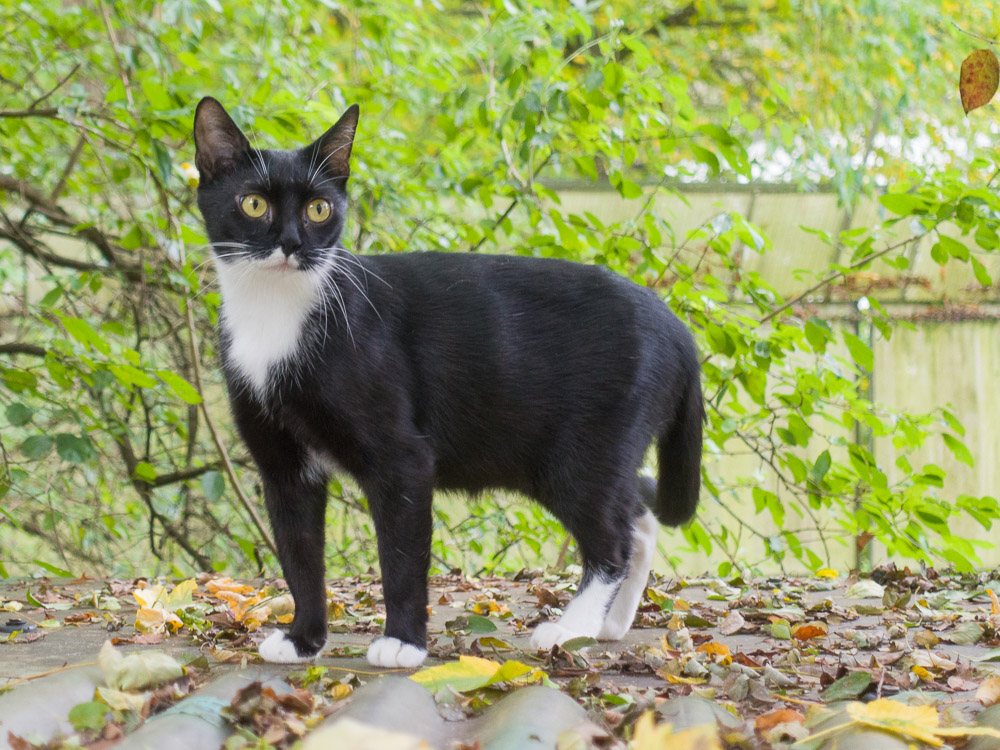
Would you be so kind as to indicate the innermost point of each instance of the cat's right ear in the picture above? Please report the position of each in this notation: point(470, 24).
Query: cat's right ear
point(218, 141)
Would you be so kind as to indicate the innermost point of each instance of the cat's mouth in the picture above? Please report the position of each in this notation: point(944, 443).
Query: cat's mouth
point(278, 261)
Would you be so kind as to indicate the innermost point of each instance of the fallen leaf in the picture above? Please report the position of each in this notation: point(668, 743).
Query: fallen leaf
point(772, 719)
point(805, 631)
point(850, 685)
point(650, 736)
point(989, 692)
point(733, 623)
point(137, 671)
point(867, 589)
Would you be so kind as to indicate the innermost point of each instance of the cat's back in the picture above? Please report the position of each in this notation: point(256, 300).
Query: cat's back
point(440, 278)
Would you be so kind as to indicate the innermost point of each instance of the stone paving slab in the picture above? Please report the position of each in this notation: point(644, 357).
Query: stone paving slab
point(609, 668)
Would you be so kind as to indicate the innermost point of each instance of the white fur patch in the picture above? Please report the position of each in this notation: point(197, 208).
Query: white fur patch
point(278, 649)
point(264, 304)
point(583, 617)
point(622, 612)
point(392, 652)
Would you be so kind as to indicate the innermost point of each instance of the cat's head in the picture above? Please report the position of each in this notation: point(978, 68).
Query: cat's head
point(281, 209)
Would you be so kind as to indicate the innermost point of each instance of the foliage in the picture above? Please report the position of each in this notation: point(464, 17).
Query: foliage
point(116, 444)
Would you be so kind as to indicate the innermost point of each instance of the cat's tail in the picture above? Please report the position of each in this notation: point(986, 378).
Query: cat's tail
point(674, 498)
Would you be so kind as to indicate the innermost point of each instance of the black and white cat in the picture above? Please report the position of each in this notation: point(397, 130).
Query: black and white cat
point(423, 371)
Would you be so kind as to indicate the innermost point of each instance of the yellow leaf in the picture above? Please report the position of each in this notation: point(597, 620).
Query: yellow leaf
point(989, 692)
point(468, 673)
point(716, 649)
point(227, 584)
point(149, 620)
point(680, 679)
point(826, 573)
point(285, 619)
point(994, 602)
point(649, 736)
point(151, 596)
point(341, 691)
point(181, 595)
point(923, 674)
point(122, 701)
point(919, 722)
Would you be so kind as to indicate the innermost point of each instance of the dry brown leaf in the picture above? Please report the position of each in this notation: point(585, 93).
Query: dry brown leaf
point(978, 79)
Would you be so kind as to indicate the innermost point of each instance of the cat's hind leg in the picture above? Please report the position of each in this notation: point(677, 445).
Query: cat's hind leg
point(619, 618)
point(601, 524)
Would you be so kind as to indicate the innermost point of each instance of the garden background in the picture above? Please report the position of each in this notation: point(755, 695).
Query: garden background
point(798, 180)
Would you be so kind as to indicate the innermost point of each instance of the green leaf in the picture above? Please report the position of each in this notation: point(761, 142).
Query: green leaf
point(18, 414)
point(847, 687)
point(958, 449)
point(822, 466)
point(953, 247)
point(903, 203)
point(213, 484)
point(145, 472)
point(180, 386)
point(478, 624)
point(74, 449)
point(860, 351)
point(89, 715)
point(614, 77)
point(965, 634)
point(36, 446)
point(60, 572)
point(982, 275)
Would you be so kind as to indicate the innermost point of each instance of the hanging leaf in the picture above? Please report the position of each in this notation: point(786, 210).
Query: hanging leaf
point(979, 78)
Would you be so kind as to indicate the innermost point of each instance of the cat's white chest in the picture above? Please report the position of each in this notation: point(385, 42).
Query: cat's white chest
point(264, 311)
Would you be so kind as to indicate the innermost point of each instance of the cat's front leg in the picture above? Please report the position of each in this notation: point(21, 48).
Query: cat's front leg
point(401, 510)
point(296, 505)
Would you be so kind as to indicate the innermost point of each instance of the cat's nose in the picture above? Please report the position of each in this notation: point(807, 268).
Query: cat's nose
point(290, 242)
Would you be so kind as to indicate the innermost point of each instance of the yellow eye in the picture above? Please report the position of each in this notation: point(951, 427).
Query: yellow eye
point(253, 205)
point(318, 210)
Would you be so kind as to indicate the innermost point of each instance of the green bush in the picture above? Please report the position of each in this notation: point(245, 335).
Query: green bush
point(118, 454)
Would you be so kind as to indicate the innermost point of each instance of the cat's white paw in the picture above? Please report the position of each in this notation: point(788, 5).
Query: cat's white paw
point(548, 634)
point(616, 624)
point(278, 649)
point(392, 652)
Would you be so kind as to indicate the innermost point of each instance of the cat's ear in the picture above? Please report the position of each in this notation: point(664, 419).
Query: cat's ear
point(218, 141)
point(334, 147)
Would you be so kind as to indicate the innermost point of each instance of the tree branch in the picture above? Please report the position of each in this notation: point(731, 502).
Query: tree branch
point(19, 348)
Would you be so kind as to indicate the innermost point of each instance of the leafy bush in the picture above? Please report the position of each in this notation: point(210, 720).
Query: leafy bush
point(116, 444)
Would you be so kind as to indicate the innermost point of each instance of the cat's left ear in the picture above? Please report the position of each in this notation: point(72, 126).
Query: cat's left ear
point(218, 141)
point(333, 148)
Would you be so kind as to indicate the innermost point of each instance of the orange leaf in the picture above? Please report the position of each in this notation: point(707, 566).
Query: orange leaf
point(781, 716)
point(994, 602)
point(807, 630)
point(714, 648)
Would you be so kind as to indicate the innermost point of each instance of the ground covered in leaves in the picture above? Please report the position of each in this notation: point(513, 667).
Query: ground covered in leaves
point(814, 660)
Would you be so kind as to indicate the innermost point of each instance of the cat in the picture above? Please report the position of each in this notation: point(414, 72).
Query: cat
point(421, 371)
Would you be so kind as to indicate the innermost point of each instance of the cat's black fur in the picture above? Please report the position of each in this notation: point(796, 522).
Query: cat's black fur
point(457, 371)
